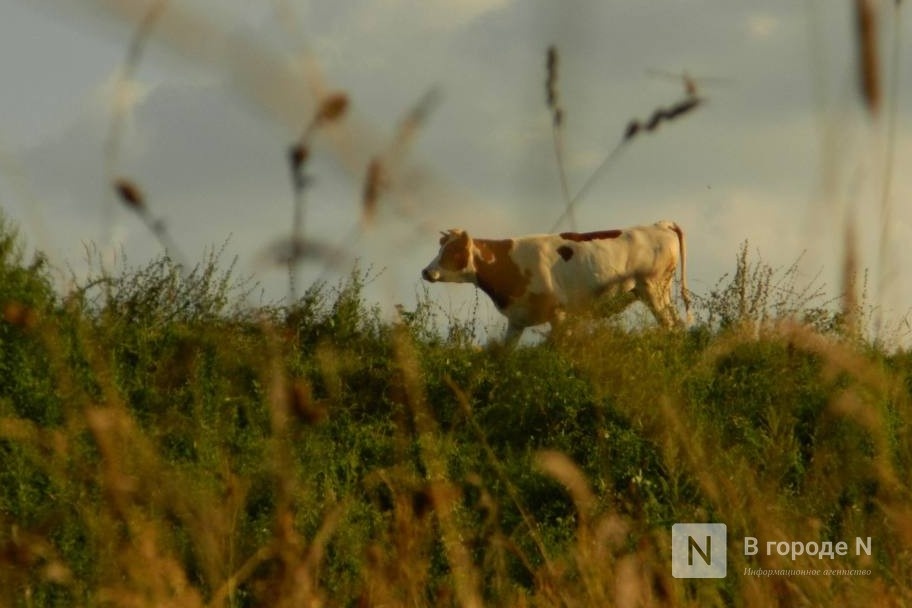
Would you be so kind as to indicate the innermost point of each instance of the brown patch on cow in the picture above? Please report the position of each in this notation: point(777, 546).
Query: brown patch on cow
point(455, 253)
point(580, 237)
point(497, 273)
point(486, 251)
point(565, 252)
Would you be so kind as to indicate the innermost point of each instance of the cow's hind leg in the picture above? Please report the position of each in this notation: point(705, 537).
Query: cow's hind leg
point(657, 296)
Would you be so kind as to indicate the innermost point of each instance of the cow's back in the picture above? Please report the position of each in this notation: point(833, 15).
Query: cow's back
point(615, 262)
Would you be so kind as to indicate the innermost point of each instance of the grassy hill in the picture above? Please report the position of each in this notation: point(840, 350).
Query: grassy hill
point(161, 444)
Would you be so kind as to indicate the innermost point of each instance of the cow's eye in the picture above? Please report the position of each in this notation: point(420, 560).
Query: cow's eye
point(455, 260)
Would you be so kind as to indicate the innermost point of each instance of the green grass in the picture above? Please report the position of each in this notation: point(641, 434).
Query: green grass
point(161, 444)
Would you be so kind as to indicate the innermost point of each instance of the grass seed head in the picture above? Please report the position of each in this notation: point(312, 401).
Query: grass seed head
point(551, 78)
point(374, 184)
point(332, 108)
point(130, 195)
point(661, 115)
point(849, 303)
point(297, 156)
point(682, 107)
point(868, 56)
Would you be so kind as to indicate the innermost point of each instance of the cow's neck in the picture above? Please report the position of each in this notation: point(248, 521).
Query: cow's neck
point(499, 277)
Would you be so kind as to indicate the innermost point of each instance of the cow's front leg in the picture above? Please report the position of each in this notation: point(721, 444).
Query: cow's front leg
point(513, 334)
point(557, 324)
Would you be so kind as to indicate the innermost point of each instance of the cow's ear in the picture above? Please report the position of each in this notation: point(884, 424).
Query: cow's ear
point(448, 234)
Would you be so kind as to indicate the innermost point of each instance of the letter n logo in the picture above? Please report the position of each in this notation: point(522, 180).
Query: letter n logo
point(698, 551)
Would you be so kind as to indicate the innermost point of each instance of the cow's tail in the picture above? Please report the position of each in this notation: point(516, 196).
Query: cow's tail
point(685, 293)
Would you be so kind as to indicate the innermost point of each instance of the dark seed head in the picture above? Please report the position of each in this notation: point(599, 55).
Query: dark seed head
point(632, 128)
point(297, 156)
point(332, 108)
point(130, 194)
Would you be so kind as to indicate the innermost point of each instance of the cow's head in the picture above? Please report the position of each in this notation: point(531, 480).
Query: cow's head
point(455, 261)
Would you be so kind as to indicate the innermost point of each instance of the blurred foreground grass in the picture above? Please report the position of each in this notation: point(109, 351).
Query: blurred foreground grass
point(163, 445)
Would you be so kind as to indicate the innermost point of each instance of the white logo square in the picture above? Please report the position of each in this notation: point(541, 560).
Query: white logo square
point(699, 551)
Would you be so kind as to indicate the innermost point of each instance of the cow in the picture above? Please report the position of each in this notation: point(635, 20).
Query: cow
point(540, 278)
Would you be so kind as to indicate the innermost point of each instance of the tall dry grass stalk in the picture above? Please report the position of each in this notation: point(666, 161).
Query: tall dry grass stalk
point(877, 89)
point(286, 89)
point(384, 171)
point(127, 70)
point(888, 267)
point(383, 175)
point(297, 558)
point(289, 90)
point(442, 493)
point(548, 576)
point(558, 116)
point(376, 182)
point(126, 190)
point(331, 109)
point(122, 99)
point(608, 575)
point(634, 128)
point(868, 40)
point(139, 494)
point(749, 496)
point(850, 268)
point(132, 197)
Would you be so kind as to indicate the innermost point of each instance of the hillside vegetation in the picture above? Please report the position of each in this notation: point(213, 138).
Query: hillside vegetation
point(163, 445)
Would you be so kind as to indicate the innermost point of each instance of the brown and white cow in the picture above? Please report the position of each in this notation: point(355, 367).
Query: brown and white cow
point(540, 278)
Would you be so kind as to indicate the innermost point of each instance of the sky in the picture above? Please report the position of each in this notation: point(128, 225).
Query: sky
point(782, 153)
